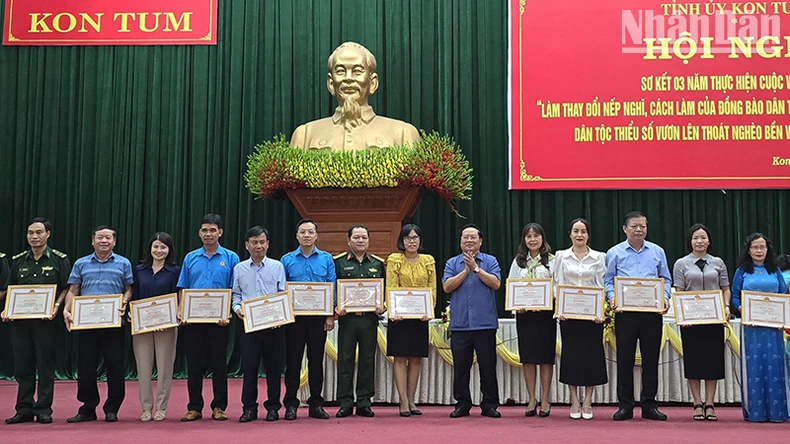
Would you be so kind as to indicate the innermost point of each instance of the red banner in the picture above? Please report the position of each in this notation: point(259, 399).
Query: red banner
point(660, 95)
point(110, 22)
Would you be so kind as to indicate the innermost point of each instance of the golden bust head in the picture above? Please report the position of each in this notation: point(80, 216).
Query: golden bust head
point(352, 79)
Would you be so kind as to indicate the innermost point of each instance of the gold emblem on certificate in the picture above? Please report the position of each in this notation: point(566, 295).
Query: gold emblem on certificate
point(205, 306)
point(30, 301)
point(699, 307)
point(89, 312)
point(765, 309)
point(312, 298)
point(639, 294)
point(360, 295)
point(529, 294)
point(584, 303)
point(267, 311)
point(410, 303)
point(155, 313)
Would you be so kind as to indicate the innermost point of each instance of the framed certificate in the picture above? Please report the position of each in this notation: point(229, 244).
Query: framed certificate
point(529, 294)
point(30, 301)
point(89, 312)
point(639, 294)
point(765, 309)
point(312, 298)
point(205, 306)
point(699, 307)
point(154, 313)
point(585, 303)
point(410, 303)
point(360, 295)
point(267, 311)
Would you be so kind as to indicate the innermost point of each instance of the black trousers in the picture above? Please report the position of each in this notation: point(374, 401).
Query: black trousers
point(110, 343)
point(270, 344)
point(309, 331)
point(206, 343)
point(646, 327)
point(353, 330)
point(464, 344)
point(34, 349)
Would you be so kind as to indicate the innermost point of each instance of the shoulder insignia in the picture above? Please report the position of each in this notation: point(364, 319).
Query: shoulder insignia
point(379, 258)
point(59, 254)
point(338, 256)
point(16, 256)
point(2, 255)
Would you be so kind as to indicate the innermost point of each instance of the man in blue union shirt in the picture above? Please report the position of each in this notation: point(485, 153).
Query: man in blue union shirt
point(471, 278)
point(257, 276)
point(637, 257)
point(210, 266)
point(307, 264)
point(101, 273)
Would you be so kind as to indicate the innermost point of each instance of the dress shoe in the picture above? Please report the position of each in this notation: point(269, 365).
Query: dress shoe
point(192, 415)
point(79, 417)
point(404, 413)
point(217, 414)
point(530, 412)
point(272, 415)
point(653, 414)
point(544, 413)
point(576, 412)
point(491, 413)
point(415, 412)
point(17, 419)
point(587, 413)
point(365, 411)
point(459, 413)
point(44, 418)
point(344, 412)
point(290, 413)
point(623, 414)
point(318, 413)
point(111, 417)
point(248, 416)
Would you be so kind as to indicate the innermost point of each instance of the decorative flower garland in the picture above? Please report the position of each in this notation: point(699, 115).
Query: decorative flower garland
point(434, 162)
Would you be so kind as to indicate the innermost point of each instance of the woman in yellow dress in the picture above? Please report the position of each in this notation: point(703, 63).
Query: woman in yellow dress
point(407, 339)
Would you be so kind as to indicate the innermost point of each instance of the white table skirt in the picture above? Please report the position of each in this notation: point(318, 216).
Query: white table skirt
point(435, 386)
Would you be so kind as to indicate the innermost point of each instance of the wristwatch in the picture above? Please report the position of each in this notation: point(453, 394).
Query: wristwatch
point(477, 269)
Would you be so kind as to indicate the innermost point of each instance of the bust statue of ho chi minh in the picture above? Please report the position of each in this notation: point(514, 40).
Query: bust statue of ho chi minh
point(352, 79)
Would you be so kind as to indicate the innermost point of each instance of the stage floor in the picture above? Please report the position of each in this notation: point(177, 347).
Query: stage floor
point(434, 426)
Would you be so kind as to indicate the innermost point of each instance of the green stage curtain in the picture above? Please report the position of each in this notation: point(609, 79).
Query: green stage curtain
point(150, 138)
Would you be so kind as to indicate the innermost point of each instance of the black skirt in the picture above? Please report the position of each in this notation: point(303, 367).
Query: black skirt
point(407, 338)
point(583, 362)
point(537, 337)
point(703, 352)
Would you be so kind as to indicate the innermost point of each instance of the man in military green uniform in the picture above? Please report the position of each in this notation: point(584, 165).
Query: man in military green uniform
point(33, 340)
point(357, 328)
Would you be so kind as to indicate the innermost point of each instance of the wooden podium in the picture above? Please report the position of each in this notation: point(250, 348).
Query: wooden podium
point(382, 210)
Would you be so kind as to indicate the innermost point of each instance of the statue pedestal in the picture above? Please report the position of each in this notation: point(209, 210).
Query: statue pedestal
point(382, 210)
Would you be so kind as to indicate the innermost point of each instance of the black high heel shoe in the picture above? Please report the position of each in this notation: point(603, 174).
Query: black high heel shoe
point(545, 413)
point(531, 412)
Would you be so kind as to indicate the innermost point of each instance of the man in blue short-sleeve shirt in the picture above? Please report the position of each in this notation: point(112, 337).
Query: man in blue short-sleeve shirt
point(101, 273)
point(307, 264)
point(471, 279)
point(208, 267)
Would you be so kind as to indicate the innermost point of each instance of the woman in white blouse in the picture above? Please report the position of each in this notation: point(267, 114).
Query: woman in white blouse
point(537, 330)
point(582, 362)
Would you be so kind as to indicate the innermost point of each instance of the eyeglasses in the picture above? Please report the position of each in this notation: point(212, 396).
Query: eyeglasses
point(411, 239)
point(758, 248)
point(471, 238)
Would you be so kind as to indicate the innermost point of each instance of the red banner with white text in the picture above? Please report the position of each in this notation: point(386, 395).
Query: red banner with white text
point(649, 94)
point(110, 22)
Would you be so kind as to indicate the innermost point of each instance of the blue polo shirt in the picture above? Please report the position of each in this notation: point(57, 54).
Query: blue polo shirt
point(200, 271)
point(649, 262)
point(99, 278)
point(148, 284)
point(317, 267)
point(472, 304)
point(251, 281)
